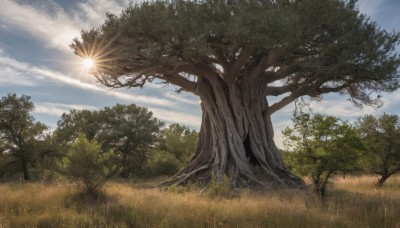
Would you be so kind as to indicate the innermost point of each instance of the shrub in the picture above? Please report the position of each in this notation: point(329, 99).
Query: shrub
point(88, 166)
point(164, 163)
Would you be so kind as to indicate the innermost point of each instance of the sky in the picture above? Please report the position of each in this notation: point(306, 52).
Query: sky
point(35, 60)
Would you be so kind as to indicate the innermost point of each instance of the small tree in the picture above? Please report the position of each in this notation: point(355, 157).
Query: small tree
point(321, 146)
point(132, 132)
point(381, 137)
point(19, 133)
point(88, 166)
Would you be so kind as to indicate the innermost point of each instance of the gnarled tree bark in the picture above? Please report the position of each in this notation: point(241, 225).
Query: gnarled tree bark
point(236, 138)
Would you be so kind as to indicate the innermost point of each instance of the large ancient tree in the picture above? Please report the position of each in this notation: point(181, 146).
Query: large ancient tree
point(234, 55)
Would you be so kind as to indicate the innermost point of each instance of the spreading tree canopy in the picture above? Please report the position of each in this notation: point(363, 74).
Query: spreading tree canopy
point(234, 55)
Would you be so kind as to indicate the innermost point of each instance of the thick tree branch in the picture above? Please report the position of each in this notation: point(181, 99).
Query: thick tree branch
point(285, 101)
point(241, 61)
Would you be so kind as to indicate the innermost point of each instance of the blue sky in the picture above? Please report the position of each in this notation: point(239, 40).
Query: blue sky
point(35, 59)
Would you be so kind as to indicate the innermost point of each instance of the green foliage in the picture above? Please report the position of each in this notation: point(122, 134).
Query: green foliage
point(75, 122)
point(132, 132)
point(321, 46)
point(163, 163)
point(45, 166)
point(180, 141)
point(89, 166)
point(176, 146)
point(381, 137)
point(129, 130)
point(321, 146)
point(20, 135)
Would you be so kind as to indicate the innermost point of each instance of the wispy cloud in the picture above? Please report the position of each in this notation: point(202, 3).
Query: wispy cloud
point(56, 28)
point(13, 72)
point(50, 23)
point(191, 100)
point(41, 75)
point(30, 74)
point(177, 117)
point(57, 109)
point(93, 12)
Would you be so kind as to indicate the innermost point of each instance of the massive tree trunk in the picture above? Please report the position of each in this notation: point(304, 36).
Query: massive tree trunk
point(236, 138)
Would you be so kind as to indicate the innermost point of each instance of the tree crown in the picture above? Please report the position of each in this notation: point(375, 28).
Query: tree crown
point(307, 47)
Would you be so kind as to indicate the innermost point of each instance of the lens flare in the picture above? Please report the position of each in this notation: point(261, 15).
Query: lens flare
point(88, 63)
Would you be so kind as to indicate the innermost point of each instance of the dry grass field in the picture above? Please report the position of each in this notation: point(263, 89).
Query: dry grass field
point(352, 202)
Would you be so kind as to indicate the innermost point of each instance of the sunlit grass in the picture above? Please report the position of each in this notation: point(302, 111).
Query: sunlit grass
point(352, 202)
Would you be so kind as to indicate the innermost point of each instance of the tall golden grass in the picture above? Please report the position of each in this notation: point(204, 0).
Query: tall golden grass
point(352, 202)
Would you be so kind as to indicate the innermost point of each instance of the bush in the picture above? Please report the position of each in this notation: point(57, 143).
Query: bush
point(164, 163)
point(88, 166)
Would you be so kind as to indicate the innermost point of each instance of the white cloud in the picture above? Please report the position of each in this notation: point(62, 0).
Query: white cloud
point(57, 109)
point(177, 117)
point(57, 29)
point(30, 74)
point(343, 108)
point(182, 99)
point(12, 72)
point(50, 23)
point(38, 75)
point(93, 11)
point(9, 76)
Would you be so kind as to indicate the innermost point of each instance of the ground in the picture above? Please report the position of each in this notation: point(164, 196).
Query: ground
point(352, 202)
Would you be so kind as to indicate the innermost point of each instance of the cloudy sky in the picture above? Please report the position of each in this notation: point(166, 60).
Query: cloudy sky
point(35, 59)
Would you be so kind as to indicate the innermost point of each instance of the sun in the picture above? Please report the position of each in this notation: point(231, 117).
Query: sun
point(88, 63)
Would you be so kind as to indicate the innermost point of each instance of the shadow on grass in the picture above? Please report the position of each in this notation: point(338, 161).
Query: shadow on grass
point(100, 209)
